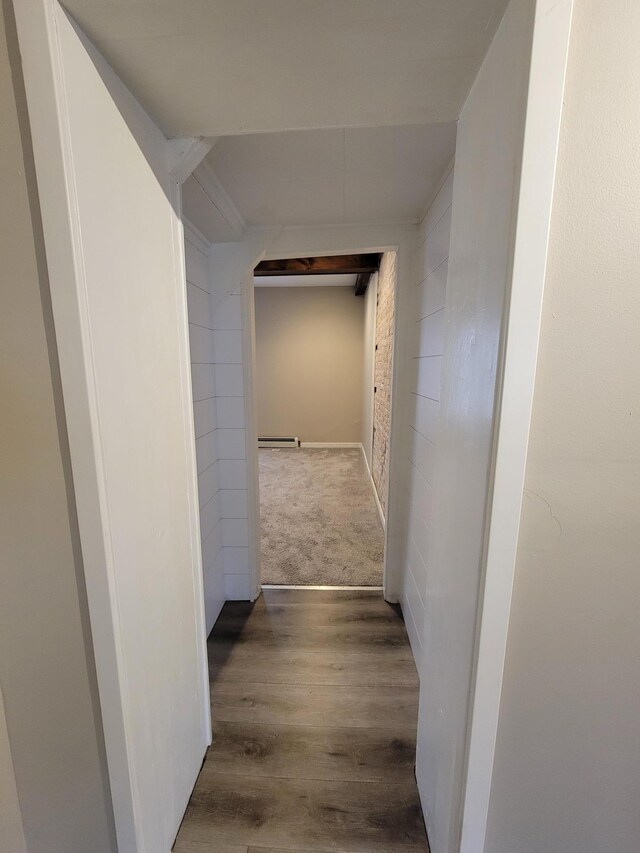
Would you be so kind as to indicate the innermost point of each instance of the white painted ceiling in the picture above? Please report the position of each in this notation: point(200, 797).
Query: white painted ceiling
point(329, 177)
point(221, 67)
point(333, 280)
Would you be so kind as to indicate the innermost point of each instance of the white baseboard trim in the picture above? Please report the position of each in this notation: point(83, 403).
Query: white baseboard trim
point(373, 488)
point(329, 444)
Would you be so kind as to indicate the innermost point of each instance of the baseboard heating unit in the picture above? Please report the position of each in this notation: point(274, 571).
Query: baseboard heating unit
point(279, 441)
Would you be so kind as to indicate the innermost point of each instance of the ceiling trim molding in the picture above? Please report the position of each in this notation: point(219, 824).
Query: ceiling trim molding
point(218, 196)
point(195, 236)
point(186, 154)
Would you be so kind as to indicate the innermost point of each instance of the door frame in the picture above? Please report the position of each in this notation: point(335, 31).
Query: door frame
point(319, 242)
point(513, 406)
point(42, 59)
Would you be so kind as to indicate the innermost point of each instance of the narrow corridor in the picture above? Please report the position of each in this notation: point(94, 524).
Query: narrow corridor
point(314, 702)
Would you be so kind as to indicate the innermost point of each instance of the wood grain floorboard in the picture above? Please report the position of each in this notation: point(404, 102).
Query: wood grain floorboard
point(302, 752)
point(314, 705)
point(364, 639)
point(288, 850)
point(302, 615)
point(306, 667)
point(364, 817)
point(291, 850)
point(314, 697)
point(185, 846)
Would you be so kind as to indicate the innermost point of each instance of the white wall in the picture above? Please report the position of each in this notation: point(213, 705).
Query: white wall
point(567, 764)
point(228, 360)
point(368, 365)
point(232, 267)
point(219, 420)
point(423, 413)
point(485, 184)
point(120, 313)
point(53, 786)
point(202, 353)
point(309, 362)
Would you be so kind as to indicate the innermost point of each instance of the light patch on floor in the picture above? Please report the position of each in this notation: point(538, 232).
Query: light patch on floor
point(319, 522)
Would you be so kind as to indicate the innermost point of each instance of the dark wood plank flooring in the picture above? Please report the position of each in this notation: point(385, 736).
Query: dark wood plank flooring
point(314, 698)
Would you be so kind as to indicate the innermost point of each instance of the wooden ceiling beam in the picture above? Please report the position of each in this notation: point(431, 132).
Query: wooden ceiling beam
point(332, 264)
point(362, 282)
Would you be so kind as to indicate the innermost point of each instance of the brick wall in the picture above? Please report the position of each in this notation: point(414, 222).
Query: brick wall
point(382, 375)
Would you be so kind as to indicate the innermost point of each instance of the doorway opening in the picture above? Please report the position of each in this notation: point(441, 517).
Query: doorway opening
point(323, 343)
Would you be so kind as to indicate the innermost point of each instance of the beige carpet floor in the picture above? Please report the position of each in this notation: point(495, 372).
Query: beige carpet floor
point(319, 522)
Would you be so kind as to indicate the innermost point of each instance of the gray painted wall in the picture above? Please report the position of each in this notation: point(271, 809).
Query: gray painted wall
point(309, 361)
point(567, 765)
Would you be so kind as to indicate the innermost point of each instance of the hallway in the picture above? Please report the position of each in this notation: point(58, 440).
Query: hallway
point(314, 701)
